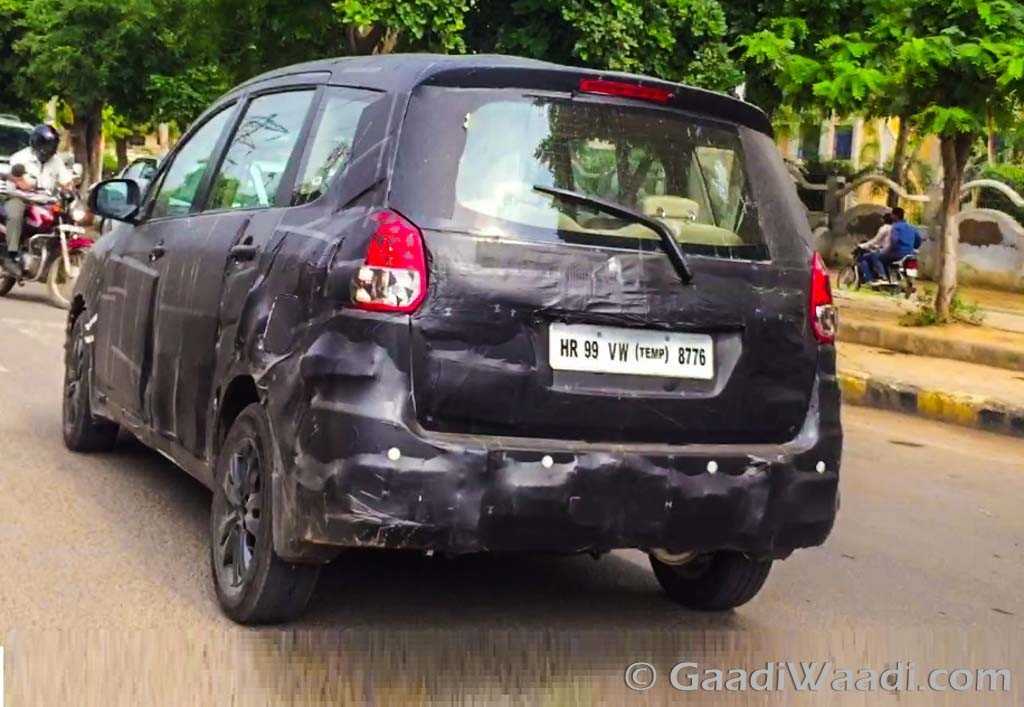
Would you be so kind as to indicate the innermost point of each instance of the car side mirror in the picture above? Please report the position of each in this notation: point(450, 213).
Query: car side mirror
point(117, 199)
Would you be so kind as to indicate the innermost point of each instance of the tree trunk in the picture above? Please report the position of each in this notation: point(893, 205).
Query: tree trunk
point(360, 43)
point(992, 156)
point(121, 146)
point(955, 152)
point(899, 159)
point(86, 134)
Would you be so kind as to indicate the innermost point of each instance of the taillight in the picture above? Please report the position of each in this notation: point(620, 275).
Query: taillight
point(824, 318)
point(393, 278)
point(625, 90)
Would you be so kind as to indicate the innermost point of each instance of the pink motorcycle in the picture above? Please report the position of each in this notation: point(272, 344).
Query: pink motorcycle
point(53, 244)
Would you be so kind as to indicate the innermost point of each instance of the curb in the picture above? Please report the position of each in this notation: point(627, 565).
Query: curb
point(954, 408)
point(902, 340)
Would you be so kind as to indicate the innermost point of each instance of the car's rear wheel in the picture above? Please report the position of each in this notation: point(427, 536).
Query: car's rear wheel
point(83, 432)
point(713, 582)
point(254, 585)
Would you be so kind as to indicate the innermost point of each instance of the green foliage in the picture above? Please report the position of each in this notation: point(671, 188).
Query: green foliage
point(948, 64)
point(179, 98)
point(139, 56)
point(817, 170)
point(960, 311)
point(419, 24)
point(82, 50)
point(679, 40)
point(1013, 176)
point(773, 33)
point(109, 164)
point(249, 37)
point(116, 126)
point(11, 98)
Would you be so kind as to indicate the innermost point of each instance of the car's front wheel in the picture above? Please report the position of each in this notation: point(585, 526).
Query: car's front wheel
point(713, 582)
point(83, 432)
point(254, 585)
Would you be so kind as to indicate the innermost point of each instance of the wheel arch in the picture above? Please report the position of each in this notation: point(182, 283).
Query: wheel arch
point(238, 394)
point(76, 310)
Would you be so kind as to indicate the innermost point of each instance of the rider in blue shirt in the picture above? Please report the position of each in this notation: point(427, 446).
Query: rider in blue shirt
point(904, 239)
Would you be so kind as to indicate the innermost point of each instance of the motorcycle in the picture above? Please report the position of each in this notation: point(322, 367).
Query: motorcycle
point(53, 243)
point(900, 275)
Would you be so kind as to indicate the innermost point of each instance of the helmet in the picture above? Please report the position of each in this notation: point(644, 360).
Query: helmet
point(44, 141)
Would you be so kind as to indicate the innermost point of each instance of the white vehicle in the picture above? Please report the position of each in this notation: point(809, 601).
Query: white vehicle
point(14, 135)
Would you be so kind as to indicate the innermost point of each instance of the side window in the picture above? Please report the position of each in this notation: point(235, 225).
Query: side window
point(332, 140)
point(182, 179)
point(258, 155)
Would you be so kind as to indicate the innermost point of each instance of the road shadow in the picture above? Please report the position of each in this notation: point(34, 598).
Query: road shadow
point(375, 588)
point(400, 627)
point(31, 292)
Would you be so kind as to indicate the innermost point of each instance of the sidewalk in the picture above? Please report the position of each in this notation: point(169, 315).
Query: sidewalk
point(873, 319)
point(960, 393)
point(958, 373)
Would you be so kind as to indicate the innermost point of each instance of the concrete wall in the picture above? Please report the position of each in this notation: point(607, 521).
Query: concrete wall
point(991, 251)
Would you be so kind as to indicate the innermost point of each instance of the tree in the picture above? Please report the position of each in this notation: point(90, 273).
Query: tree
point(817, 19)
point(949, 65)
point(84, 52)
point(136, 56)
point(382, 26)
point(11, 98)
point(254, 36)
point(678, 40)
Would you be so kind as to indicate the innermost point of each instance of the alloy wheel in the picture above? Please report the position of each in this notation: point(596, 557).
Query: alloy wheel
point(73, 380)
point(238, 519)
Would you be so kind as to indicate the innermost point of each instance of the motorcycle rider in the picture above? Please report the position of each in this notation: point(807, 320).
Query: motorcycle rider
point(37, 167)
point(904, 240)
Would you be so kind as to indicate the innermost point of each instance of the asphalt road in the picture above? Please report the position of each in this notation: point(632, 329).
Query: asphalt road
point(104, 558)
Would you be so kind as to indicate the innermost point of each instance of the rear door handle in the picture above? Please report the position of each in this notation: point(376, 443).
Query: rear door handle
point(158, 252)
point(244, 251)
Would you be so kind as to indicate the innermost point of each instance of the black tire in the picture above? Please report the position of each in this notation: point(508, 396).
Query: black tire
point(60, 284)
point(715, 582)
point(83, 432)
point(254, 585)
point(848, 279)
point(7, 283)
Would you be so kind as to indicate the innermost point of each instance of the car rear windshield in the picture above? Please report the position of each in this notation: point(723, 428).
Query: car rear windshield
point(12, 139)
point(470, 160)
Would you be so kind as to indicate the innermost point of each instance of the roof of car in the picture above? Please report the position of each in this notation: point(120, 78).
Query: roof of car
point(14, 121)
point(398, 72)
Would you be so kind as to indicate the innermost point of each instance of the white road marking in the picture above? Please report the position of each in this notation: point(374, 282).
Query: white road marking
point(38, 336)
point(12, 321)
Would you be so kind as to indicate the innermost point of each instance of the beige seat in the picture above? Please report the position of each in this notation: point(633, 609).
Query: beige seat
point(681, 215)
point(670, 208)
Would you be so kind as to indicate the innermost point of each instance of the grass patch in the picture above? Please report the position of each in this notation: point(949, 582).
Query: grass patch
point(960, 311)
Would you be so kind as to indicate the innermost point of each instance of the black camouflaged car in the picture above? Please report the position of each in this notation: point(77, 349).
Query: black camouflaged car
point(469, 304)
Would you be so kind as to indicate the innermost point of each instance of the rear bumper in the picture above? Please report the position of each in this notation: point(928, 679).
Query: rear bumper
point(381, 484)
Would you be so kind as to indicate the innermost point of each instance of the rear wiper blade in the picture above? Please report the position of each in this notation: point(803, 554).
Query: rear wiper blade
point(668, 239)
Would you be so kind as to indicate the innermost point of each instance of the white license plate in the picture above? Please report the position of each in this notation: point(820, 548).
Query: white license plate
point(635, 352)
